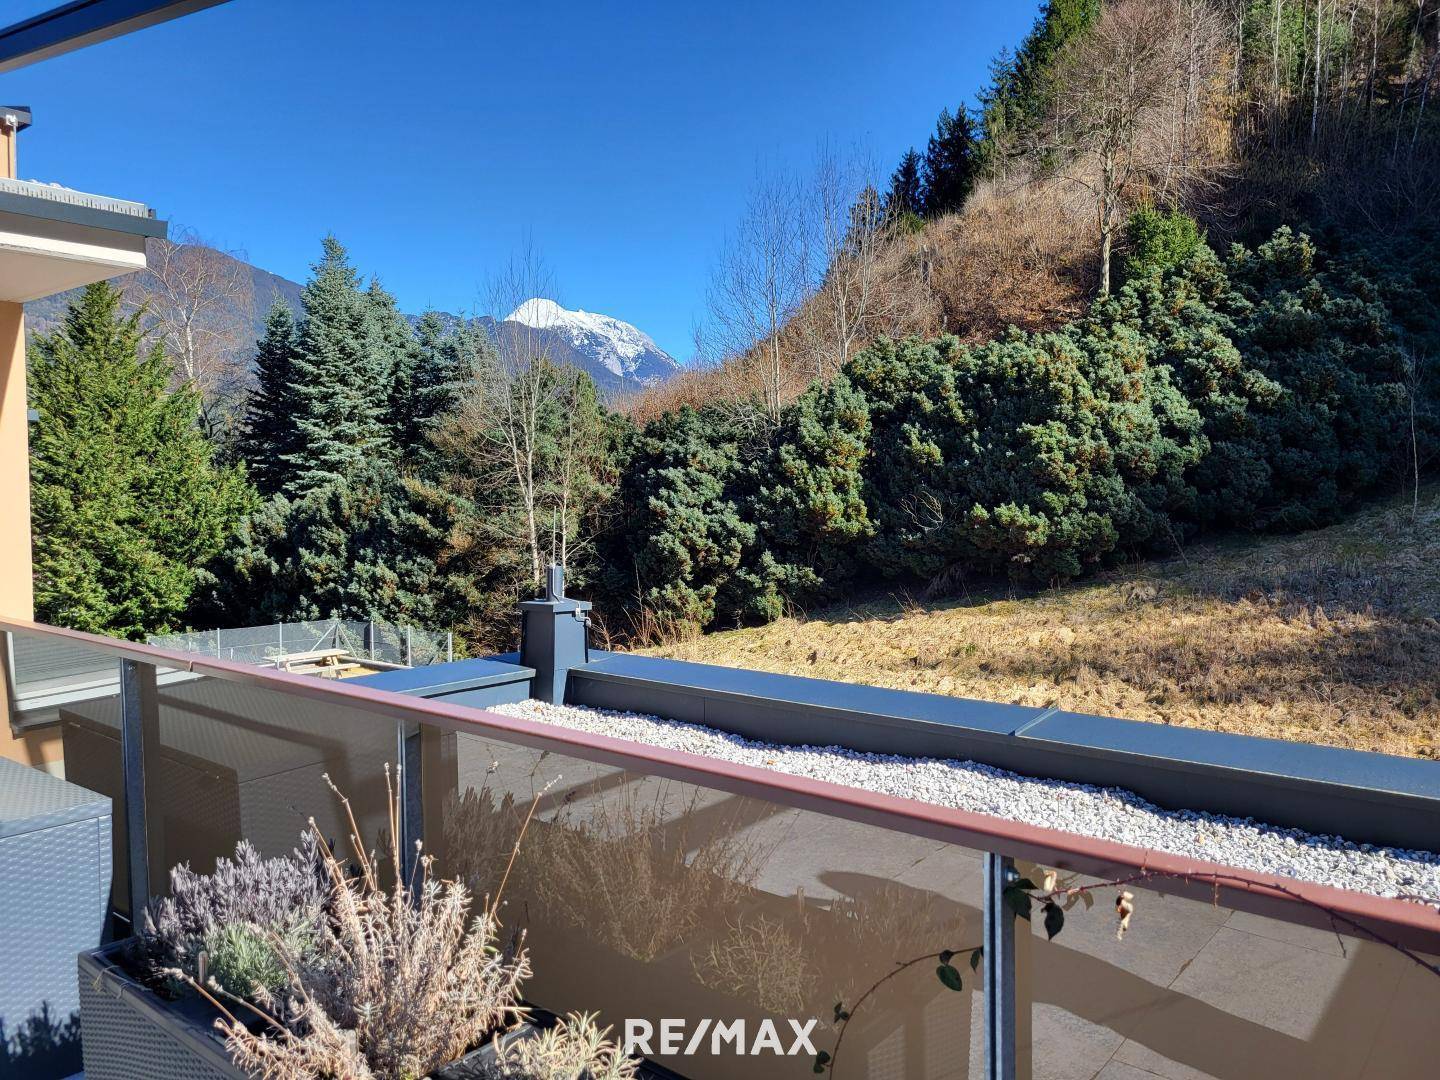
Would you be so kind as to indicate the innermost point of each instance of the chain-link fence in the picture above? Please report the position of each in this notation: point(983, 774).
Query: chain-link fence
point(386, 642)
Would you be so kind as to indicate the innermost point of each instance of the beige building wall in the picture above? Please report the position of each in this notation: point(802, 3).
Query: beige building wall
point(17, 596)
point(17, 586)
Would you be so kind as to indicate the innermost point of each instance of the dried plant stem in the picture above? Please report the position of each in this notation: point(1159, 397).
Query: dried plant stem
point(515, 848)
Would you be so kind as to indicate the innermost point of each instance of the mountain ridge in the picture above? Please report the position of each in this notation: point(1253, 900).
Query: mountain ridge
point(618, 355)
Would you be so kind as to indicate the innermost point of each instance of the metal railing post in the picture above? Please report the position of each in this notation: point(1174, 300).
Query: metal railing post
point(999, 958)
point(449, 645)
point(139, 723)
point(412, 806)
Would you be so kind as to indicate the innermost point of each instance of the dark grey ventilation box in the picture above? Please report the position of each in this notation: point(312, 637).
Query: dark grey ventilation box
point(54, 892)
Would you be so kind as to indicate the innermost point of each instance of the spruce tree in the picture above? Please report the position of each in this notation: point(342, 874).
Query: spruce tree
point(269, 438)
point(951, 163)
point(906, 194)
point(395, 360)
point(342, 374)
point(426, 384)
point(126, 498)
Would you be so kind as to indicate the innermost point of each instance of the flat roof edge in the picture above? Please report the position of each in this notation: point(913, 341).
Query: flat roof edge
point(38, 206)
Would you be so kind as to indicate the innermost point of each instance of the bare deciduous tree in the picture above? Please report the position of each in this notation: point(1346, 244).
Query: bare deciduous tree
point(854, 293)
point(524, 428)
point(761, 280)
point(1117, 120)
point(198, 302)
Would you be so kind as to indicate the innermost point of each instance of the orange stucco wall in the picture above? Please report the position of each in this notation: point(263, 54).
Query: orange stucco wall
point(17, 596)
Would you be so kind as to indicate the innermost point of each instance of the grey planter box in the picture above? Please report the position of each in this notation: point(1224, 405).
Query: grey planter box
point(54, 885)
point(132, 1033)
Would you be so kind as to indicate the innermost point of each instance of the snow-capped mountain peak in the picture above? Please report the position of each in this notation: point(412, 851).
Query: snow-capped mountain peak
point(621, 349)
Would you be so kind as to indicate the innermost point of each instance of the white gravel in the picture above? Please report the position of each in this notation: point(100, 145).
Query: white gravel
point(1106, 813)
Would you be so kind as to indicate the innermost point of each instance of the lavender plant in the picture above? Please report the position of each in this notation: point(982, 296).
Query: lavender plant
point(207, 916)
point(403, 980)
point(575, 1047)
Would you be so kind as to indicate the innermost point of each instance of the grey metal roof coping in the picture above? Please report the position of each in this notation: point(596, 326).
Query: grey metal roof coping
point(1361, 795)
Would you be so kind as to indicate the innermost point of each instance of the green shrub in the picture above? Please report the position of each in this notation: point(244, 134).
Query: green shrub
point(811, 497)
point(674, 562)
point(995, 458)
point(1159, 240)
point(244, 962)
point(228, 908)
point(1264, 390)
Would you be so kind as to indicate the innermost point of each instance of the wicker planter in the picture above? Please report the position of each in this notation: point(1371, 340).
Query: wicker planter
point(131, 1033)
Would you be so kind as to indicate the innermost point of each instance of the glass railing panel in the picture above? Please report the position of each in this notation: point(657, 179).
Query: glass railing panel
point(235, 760)
point(1198, 990)
point(649, 898)
point(51, 686)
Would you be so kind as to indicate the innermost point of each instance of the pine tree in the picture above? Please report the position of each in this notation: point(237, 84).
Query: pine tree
point(906, 194)
point(269, 438)
point(951, 163)
point(126, 500)
point(342, 376)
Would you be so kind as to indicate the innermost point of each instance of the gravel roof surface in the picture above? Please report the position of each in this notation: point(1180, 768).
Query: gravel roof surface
point(1106, 813)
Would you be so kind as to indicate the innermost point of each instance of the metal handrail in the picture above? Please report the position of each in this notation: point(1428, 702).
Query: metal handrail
point(1416, 925)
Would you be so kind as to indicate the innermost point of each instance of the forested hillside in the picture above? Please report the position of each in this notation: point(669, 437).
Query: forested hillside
point(1172, 278)
point(1174, 275)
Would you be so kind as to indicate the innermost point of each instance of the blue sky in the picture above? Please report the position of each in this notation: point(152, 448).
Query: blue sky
point(433, 137)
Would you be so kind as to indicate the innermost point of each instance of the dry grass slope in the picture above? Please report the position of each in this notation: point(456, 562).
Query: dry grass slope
point(1327, 637)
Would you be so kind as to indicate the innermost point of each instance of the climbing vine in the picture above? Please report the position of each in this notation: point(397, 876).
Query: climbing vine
point(1055, 896)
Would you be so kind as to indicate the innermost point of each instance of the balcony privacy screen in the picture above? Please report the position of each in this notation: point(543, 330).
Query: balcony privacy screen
point(646, 896)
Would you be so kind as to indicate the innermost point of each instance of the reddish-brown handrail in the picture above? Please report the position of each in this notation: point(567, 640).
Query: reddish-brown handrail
point(1413, 924)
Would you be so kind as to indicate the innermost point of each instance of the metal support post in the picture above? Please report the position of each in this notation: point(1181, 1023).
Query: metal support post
point(412, 806)
point(139, 731)
point(999, 960)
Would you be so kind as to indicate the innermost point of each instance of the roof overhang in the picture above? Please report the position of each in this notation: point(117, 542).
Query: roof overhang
point(54, 240)
point(85, 22)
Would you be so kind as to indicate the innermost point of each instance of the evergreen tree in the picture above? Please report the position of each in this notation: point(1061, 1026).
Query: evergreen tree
point(685, 540)
point(427, 383)
point(990, 459)
point(811, 501)
point(951, 163)
point(269, 437)
point(397, 359)
point(1020, 87)
point(362, 548)
point(126, 497)
point(343, 367)
point(906, 194)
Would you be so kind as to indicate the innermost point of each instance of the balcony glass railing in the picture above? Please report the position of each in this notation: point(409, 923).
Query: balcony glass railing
point(655, 885)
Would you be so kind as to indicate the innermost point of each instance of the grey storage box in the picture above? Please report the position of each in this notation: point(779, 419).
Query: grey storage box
point(54, 894)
